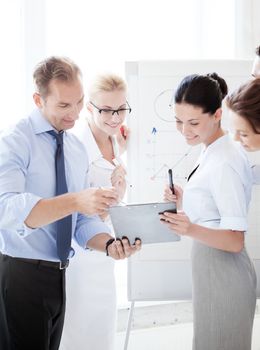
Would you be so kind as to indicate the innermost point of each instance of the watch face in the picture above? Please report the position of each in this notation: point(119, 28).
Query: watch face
point(256, 67)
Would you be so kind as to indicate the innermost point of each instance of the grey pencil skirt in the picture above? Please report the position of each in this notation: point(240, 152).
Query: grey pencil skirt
point(224, 299)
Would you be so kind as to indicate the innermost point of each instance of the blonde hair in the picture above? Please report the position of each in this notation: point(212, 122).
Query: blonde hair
point(106, 83)
point(54, 68)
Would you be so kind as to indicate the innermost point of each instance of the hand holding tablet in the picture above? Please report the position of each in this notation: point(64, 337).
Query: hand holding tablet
point(142, 221)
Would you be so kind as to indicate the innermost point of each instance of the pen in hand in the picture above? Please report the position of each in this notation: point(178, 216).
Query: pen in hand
point(171, 185)
point(167, 195)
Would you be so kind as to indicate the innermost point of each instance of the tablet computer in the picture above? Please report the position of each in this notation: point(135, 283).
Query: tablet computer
point(142, 221)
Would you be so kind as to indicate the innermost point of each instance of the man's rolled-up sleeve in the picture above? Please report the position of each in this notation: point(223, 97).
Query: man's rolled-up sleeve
point(15, 203)
point(87, 227)
point(14, 209)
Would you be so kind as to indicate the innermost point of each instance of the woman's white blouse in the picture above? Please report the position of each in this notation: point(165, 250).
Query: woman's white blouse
point(100, 169)
point(256, 174)
point(218, 193)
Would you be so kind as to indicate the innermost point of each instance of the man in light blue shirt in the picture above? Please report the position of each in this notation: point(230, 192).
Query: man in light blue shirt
point(32, 275)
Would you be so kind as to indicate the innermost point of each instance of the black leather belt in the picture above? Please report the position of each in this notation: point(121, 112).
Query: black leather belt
point(53, 264)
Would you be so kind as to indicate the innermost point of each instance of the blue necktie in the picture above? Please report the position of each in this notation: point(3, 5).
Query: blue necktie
point(64, 226)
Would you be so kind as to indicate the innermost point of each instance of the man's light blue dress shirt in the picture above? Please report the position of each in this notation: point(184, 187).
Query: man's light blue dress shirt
point(27, 174)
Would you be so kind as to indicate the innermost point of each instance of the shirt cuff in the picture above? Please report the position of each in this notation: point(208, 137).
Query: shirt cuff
point(28, 201)
point(89, 230)
point(234, 223)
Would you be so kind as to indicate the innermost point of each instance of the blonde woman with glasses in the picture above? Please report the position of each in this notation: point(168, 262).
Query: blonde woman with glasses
point(91, 303)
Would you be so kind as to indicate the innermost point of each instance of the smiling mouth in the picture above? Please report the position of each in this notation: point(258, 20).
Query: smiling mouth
point(113, 125)
point(191, 138)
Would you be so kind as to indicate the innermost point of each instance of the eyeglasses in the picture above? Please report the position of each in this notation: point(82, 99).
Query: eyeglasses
point(106, 112)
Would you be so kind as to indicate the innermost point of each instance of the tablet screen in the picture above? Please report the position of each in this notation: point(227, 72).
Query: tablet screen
point(142, 221)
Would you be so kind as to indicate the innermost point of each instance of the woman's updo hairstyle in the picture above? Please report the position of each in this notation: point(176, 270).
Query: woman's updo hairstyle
point(205, 91)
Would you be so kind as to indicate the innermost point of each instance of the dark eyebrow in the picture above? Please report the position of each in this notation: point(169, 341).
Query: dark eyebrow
point(190, 120)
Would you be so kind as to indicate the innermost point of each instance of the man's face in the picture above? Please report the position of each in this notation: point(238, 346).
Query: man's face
point(62, 105)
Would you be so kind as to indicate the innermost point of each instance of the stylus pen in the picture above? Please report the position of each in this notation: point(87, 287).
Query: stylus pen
point(171, 181)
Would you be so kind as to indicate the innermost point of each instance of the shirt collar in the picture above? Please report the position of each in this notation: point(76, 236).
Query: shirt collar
point(39, 123)
point(221, 141)
point(90, 143)
point(86, 136)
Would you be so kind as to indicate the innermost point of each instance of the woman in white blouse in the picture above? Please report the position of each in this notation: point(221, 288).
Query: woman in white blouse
point(90, 320)
point(215, 203)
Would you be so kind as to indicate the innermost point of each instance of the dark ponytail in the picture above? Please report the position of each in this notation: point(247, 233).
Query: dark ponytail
point(205, 91)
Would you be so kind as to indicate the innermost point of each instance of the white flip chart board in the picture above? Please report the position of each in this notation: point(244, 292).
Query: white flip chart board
point(163, 271)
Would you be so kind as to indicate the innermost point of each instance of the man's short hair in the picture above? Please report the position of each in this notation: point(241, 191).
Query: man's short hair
point(54, 68)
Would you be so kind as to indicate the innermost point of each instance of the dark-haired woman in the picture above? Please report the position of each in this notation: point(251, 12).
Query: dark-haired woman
point(215, 202)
